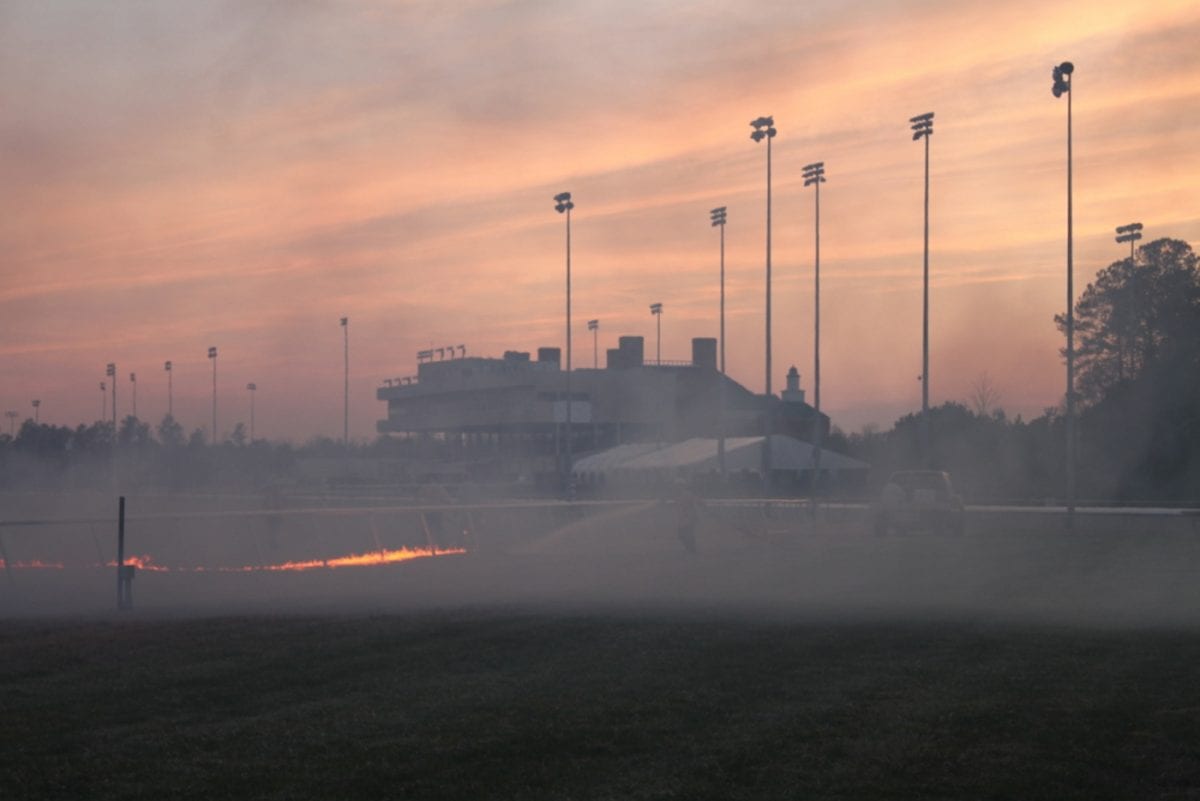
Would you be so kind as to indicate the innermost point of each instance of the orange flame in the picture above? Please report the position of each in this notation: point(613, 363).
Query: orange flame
point(381, 557)
point(36, 564)
point(358, 559)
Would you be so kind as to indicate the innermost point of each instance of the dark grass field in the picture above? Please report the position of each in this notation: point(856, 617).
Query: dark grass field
point(515, 704)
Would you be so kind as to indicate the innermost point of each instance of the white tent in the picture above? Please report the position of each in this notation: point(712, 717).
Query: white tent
point(700, 456)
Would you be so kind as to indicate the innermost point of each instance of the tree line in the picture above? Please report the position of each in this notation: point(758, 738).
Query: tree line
point(1137, 329)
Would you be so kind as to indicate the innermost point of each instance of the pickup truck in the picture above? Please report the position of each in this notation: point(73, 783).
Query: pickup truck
point(919, 499)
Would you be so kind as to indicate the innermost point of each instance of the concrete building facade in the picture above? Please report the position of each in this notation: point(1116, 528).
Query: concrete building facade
point(517, 404)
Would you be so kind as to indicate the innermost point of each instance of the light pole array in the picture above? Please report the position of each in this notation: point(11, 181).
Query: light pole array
point(717, 220)
point(12, 422)
point(922, 127)
point(170, 391)
point(103, 400)
point(1062, 85)
point(111, 371)
point(212, 354)
point(594, 327)
point(253, 388)
point(133, 383)
point(345, 382)
point(814, 175)
point(656, 310)
point(1131, 233)
point(563, 204)
point(764, 128)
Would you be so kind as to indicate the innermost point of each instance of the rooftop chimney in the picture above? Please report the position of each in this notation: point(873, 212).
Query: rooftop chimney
point(632, 351)
point(704, 353)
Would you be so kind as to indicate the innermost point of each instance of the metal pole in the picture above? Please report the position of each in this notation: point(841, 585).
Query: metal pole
point(346, 382)
point(7, 563)
point(817, 437)
point(214, 403)
point(570, 431)
point(1070, 325)
point(768, 417)
point(721, 438)
point(251, 417)
point(658, 340)
point(121, 554)
point(926, 454)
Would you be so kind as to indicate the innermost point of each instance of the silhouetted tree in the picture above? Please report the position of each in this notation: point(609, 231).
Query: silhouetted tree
point(1132, 314)
point(197, 440)
point(133, 432)
point(170, 432)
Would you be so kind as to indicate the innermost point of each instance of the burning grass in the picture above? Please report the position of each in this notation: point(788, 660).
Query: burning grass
point(469, 704)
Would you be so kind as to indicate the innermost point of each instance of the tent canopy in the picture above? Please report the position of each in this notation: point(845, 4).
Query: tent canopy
point(700, 455)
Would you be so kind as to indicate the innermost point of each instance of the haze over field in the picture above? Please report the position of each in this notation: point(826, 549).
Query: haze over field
point(242, 175)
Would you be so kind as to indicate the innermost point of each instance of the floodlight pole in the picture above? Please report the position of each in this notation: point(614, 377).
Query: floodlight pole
point(253, 388)
point(212, 354)
point(111, 371)
point(170, 390)
point(814, 174)
point(656, 310)
point(922, 127)
point(36, 404)
point(103, 401)
point(717, 217)
point(1062, 84)
point(594, 327)
point(564, 204)
point(133, 382)
point(764, 128)
point(1131, 233)
point(345, 382)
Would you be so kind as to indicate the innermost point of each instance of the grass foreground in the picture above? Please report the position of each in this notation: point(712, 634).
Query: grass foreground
point(474, 704)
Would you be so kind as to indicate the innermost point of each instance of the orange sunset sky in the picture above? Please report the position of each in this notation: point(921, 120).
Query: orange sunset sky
point(176, 175)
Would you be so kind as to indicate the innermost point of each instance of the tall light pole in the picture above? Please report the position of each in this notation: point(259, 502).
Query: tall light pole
point(656, 310)
point(345, 382)
point(814, 175)
point(717, 220)
point(562, 203)
point(36, 403)
point(170, 391)
point(103, 400)
point(1131, 233)
point(764, 128)
point(1062, 85)
point(212, 354)
point(12, 422)
point(111, 372)
point(594, 327)
point(253, 388)
point(922, 127)
point(133, 382)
